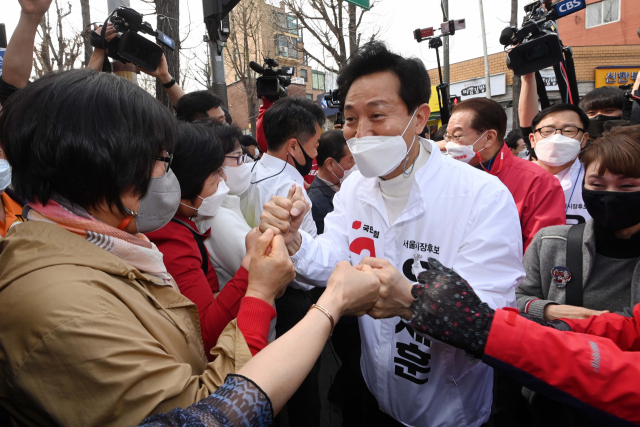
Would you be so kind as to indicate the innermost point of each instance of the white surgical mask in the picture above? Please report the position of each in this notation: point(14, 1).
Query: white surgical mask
point(5, 174)
point(557, 150)
point(347, 172)
point(524, 154)
point(238, 178)
point(210, 205)
point(256, 152)
point(464, 153)
point(378, 155)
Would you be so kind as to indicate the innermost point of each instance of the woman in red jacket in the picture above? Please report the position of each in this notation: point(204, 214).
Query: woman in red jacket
point(197, 163)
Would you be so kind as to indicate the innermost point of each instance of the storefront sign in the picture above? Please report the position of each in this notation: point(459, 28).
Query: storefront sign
point(616, 76)
point(476, 88)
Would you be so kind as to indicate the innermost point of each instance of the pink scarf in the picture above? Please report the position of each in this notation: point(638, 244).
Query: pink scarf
point(134, 249)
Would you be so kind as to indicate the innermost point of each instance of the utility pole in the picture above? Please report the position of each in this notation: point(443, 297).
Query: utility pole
point(216, 18)
point(126, 71)
point(487, 74)
point(445, 47)
point(218, 76)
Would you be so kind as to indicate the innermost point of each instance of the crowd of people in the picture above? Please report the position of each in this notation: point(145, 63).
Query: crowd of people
point(160, 268)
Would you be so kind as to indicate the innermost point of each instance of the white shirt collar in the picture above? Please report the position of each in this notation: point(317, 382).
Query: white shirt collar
point(269, 165)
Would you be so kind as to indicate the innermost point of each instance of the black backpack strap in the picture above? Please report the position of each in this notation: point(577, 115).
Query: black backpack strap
point(203, 250)
point(574, 289)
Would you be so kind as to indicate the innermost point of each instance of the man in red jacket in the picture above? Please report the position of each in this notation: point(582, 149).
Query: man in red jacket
point(475, 135)
point(591, 364)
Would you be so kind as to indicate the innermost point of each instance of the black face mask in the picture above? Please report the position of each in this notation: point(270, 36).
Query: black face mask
point(306, 168)
point(600, 123)
point(613, 210)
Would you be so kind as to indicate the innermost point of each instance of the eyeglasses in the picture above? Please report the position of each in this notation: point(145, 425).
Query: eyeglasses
point(168, 159)
point(454, 138)
point(547, 131)
point(242, 158)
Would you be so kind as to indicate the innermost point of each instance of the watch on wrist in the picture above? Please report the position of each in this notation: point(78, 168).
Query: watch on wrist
point(169, 83)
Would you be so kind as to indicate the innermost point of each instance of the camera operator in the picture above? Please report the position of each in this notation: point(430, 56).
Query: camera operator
point(172, 88)
point(559, 134)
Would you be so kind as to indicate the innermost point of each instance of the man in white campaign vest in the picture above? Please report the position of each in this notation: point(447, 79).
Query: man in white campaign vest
point(408, 202)
point(559, 133)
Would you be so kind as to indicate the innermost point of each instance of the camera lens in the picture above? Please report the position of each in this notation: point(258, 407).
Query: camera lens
point(536, 52)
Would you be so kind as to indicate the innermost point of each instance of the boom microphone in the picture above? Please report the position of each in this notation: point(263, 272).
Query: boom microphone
point(256, 67)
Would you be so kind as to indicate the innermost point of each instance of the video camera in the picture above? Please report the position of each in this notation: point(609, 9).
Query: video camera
point(538, 44)
point(129, 46)
point(333, 101)
point(273, 81)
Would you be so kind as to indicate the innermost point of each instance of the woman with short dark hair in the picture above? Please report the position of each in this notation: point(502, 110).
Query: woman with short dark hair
point(197, 163)
point(94, 331)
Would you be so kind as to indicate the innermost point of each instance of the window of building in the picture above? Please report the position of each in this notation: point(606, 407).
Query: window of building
point(318, 80)
point(602, 12)
point(303, 74)
point(285, 47)
point(310, 97)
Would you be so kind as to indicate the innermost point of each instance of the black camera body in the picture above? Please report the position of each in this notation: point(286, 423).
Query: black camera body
point(538, 44)
point(273, 81)
point(130, 47)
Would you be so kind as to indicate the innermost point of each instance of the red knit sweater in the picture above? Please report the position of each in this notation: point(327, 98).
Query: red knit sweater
point(184, 262)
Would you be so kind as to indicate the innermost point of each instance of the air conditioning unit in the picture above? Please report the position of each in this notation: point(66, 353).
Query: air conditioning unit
point(297, 80)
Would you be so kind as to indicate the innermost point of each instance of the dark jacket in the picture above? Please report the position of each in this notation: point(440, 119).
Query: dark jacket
point(321, 196)
point(548, 250)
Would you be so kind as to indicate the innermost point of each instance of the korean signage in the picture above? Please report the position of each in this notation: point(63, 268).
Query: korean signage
point(476, 88)
point(549, 78)
point(616, 76)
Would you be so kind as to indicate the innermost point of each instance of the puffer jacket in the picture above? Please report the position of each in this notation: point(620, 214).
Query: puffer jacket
point(88, 340)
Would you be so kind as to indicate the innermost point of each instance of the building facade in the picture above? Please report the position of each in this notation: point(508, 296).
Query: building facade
point(276, 34)
point(606, 50)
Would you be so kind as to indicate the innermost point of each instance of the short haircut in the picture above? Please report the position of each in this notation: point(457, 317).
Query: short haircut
point(331, 144)
point(291, 117)
point(194, 105)
point(512, 138)
point(248, 140)
point(439, 134)
point(617, 150)
point(487, 115)
point(86, 136)
point(374, 57)
point(603, 98)
point(198, 154)
point(558, 108)
point(228, 135)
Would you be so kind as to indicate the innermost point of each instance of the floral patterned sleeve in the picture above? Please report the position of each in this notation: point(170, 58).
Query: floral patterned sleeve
point(238, 403)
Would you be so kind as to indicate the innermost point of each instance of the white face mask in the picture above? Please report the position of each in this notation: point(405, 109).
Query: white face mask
point(210, 205)
point(238, 178)
point(378, 155)
point(557, 150)
point(524, 154)
point(464, 153)
point(256, 152)
point(5, 174)
point(347, 172)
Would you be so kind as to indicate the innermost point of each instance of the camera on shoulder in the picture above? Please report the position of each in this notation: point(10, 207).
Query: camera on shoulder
point(128, 46)
point(273, 81)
